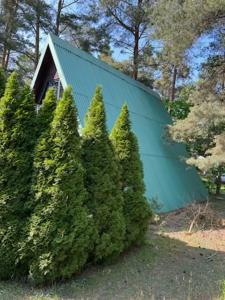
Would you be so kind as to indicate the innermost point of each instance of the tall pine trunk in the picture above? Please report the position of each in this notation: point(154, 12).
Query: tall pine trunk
point(218, 183)
point(37, 39)
point(10, 10)
point(136, 46)
point(58, 16)
point(173, 86)
point(4, 53)
point(136, 53)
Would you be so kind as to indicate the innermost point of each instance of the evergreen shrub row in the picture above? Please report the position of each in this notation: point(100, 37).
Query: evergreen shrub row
point(66, 199)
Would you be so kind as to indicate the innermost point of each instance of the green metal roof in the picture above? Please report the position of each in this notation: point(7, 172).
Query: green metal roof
point(167, 178)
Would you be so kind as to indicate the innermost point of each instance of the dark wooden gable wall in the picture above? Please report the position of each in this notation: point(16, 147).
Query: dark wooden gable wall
point(47, 77)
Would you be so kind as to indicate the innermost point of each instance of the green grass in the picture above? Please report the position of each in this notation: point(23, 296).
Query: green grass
point(95, 282)
point(223, 291)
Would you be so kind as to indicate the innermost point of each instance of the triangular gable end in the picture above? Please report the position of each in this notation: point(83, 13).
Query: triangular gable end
point(47, 69)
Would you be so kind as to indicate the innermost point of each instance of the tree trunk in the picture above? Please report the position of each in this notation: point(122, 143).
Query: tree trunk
point(223, 74)
point(37, 39)
point(11, 11)
point(58, 16)
point(136, 53)
point(4, 53)
point(7, 59)
point(173, 87)
point(218, 184)
point(136, 45)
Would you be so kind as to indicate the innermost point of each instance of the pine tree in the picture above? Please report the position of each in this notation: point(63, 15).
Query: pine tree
point(102, 182)
point(136, 208)
point(60, 228)
point(17, 139)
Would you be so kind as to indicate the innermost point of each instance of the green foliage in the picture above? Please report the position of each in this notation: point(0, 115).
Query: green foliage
point(45, 114)
point(2, 81)
point(60, 230)
point(198, 130)
point(136, 208)
point(198, 17)
point(178, 109)
point(211, 114)
point(44, 118)
point(223, 291)
point(17, 139)
point(105, 199)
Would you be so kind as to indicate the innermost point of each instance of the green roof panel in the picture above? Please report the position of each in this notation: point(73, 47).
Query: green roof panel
point(167, 178)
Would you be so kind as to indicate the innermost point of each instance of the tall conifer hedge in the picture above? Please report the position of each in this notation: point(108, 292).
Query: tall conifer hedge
point(136, 208)
point(44, 119)
point(60, 230)
point(105, 199)
point(45, 114)
point(17, 140)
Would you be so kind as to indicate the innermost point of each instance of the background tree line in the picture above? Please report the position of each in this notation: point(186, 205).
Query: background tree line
point(160, 42)
point(155, 43)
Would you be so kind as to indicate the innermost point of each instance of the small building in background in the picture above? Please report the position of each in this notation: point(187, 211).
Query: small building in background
point(168, 180)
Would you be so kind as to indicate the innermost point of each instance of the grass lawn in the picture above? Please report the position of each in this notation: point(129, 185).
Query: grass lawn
point(223, 291)
point(171, 265)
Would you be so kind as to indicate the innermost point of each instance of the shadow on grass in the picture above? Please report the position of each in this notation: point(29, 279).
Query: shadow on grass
point(163, 268)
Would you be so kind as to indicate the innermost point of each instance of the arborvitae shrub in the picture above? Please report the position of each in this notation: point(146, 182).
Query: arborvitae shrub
point(136, 208)
point(44, 119)
point(105, 200)
point(45, 114)
point(17, 139)
point(60, 229)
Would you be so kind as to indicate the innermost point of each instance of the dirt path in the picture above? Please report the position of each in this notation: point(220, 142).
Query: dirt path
point(172, 265)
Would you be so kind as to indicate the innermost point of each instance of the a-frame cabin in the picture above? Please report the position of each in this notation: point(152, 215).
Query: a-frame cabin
point(167, 178)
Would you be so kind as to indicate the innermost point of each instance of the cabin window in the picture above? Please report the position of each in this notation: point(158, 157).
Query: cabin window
point(54, 82)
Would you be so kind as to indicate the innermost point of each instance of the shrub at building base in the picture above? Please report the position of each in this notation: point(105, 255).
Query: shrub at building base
point(60, 230)
point(44, 119)
point(136, 208)
point(102, 182)
point(17, 140)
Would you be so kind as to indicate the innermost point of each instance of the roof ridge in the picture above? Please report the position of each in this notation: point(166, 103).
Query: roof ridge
point(99, 63)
